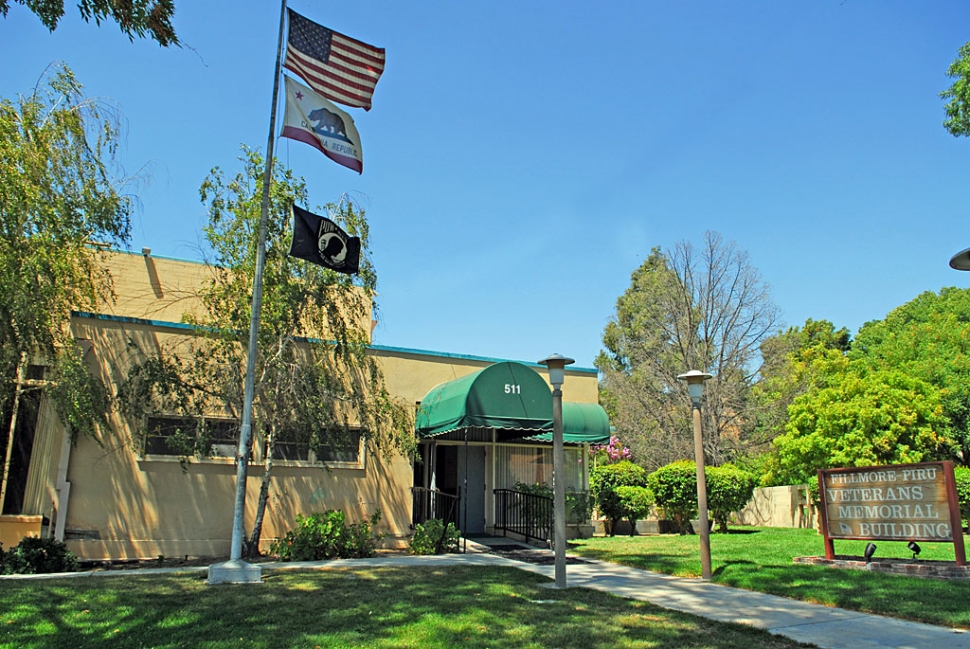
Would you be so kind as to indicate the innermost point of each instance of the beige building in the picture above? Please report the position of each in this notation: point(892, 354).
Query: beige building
point(123, 497)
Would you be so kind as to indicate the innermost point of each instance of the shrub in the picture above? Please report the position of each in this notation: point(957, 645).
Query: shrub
point(34, 556)
point(325, 535)
point(603, 482)
point(961, 476)
point(361, 539)
point(636, 503)
point(674, 489)
point(431, 537)
point(579, 506)
point(728, 490)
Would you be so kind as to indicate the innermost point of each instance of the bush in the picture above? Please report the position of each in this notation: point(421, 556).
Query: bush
point(674, 489)
point(603, 482)
point(361, 540)
point(728, 490)
point(428, 539)
point(34, 556)
point(326, 535)
point(636, 503)
point(961, 476)
point(579, 505)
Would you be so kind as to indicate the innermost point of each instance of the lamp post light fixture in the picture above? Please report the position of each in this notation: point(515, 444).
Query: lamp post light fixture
point(961, 260)
point(556, 364)
point(695, 386)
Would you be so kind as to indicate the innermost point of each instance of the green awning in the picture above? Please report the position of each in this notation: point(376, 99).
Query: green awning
point(508, 397)
point(582, 423)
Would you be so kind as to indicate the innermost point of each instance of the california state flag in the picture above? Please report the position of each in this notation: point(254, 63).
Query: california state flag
point(312, 119)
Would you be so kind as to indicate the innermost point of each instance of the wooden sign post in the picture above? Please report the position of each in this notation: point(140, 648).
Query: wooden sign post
point(902, 502)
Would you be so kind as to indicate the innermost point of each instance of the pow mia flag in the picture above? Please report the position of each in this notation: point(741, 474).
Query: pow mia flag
point(321, 241)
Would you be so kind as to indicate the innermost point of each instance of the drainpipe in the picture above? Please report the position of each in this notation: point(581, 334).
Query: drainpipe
point(63, 487)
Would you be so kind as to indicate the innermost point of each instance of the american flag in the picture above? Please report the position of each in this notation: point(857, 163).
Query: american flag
point(338, 67)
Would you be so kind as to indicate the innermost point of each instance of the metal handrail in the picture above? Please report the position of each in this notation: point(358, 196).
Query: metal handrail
point(523, 513)
point(432, 503)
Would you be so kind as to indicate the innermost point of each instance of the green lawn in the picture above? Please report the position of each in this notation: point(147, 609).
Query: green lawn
point(465, 606)
point(760, 559)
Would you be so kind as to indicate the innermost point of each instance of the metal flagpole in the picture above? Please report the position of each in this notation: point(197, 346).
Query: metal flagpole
point(239, 571)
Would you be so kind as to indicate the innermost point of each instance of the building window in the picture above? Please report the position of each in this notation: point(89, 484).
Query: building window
point(336, 447)
point(188, 437)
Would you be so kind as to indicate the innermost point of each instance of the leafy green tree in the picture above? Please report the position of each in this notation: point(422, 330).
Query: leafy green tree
point(957, 109)
point(862, 419)
point(314, 394)
point(58, 196)
point(703, 308)
point(729, 489)
point(928, 338)
point(152, 18)
point(794, 361)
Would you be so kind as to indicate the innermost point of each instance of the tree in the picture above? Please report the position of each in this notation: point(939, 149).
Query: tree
point(957, 110)
point(863, 418)
point(793, 362)
point(58, 198)
point(310, 394)
point(704, 309)
point(928, 338)
point(140, 18)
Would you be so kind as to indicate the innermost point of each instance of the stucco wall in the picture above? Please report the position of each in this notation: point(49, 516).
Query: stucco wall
point(778, 507)
point(122, 505)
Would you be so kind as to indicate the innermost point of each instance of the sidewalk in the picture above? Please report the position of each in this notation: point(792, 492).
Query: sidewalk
point(820, 625)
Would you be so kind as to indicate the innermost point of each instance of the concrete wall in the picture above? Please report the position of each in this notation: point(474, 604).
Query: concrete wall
point(779, 507)
point(109, 501)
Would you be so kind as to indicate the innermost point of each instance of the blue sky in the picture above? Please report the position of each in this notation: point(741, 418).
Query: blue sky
point(522, 158)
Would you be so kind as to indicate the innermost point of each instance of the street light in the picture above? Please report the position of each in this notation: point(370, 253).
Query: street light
point(556, 364)
point(961, 260)
point(695, 386)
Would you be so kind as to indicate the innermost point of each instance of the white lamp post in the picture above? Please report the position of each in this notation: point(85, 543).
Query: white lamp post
point(556, 364)
point(695, 386)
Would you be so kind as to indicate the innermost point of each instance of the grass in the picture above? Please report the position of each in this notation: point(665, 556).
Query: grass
point(760, 559)
point(465, 606)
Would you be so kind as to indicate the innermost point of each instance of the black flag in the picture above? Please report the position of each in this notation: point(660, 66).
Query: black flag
point(321, 241)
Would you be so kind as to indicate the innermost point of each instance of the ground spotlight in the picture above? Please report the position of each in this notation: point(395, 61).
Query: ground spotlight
point(870, 550)
point(914, 548)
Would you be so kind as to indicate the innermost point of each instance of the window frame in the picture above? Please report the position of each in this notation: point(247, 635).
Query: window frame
point(313, 460)
point(172, 455)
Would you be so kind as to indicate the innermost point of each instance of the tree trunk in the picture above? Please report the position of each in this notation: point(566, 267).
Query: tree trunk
point(251, 548)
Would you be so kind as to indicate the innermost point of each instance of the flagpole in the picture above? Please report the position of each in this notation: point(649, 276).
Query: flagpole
point(239, 571)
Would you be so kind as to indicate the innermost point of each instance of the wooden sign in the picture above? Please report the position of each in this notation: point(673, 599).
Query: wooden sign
point(903, 502)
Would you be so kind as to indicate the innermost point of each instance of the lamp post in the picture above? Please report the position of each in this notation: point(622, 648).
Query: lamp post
point(695, 386)
point(556, 364)
point(961, 260)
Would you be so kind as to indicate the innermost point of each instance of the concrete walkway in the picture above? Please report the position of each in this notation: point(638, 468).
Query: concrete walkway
point(820, 625)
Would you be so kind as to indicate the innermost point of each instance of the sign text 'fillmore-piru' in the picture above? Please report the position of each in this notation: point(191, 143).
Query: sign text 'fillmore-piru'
point(907, 502)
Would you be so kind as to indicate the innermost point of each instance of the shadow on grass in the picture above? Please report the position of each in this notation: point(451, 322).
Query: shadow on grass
point(736, 531)
point(414, 607)
point(927, 600)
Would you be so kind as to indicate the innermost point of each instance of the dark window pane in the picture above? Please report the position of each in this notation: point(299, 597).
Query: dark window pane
point(346, 450)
